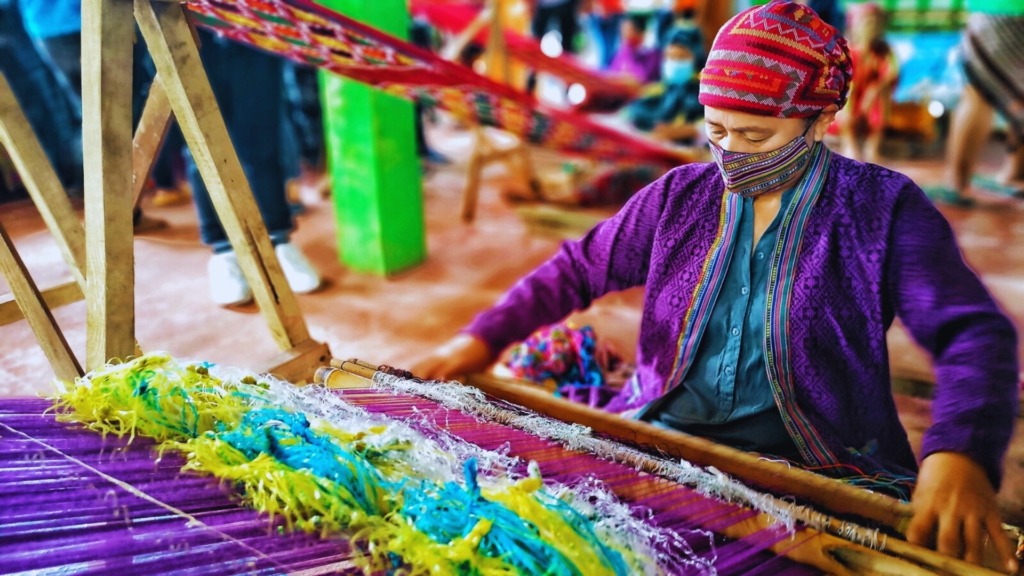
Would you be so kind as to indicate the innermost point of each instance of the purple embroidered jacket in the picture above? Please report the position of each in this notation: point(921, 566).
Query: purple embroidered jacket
point(868, 247)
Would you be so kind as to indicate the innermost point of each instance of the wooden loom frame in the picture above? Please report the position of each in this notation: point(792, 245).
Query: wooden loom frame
point(182, 89)
point(26, 299)
point(116, 169)
point(830, 552)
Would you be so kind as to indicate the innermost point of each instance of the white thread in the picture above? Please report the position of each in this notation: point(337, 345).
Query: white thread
point(710, 482)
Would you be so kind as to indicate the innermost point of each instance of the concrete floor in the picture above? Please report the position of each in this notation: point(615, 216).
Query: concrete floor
point(396, 320)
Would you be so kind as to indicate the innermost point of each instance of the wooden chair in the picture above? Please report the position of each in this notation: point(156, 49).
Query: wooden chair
point(484, 149)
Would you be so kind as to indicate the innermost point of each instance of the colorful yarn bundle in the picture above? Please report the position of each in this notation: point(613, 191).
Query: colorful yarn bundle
point(567, 360)
point(406, 502)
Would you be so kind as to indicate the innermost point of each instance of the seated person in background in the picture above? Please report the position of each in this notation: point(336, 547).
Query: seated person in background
point(771, 277)
point(670, 109)
point(632, 58)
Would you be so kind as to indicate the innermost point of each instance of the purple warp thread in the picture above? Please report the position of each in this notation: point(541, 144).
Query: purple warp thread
point(677, 507)
point(55, 512)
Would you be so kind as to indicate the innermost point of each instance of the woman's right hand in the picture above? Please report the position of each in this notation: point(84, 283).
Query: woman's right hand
point(459, 356)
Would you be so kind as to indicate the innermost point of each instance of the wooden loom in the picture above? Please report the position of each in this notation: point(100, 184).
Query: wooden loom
point(26, 299)
point(182, 89)
point(116, 168)
point(831, 553)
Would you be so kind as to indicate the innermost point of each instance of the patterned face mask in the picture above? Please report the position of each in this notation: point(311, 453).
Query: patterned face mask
point(753, 174)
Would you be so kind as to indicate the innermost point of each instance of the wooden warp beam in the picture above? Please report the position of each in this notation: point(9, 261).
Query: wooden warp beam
point(827, 493)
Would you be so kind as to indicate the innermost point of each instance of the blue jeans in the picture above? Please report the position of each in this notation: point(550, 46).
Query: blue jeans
point(42, 98)
point(64, 56)
point(249, 89)
point(305, 115)
point(605, 31)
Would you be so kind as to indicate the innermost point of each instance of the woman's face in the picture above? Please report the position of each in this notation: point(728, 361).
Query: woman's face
point(740, 132)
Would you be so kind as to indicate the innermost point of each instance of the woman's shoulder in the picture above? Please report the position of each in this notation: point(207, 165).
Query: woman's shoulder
point(856, 182)
point(693, 179)
point(692, 190)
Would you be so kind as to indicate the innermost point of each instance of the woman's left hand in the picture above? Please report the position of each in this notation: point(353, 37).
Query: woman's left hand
point(955, 497)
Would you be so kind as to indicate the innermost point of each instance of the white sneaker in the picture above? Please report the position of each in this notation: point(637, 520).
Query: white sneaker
point(301, 275)
point(228, 285)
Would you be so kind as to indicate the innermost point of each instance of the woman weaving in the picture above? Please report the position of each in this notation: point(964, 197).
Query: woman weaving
point(772, 276)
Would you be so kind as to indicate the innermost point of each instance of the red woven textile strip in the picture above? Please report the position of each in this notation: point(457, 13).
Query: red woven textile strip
point(311, 34)
point(455, 17)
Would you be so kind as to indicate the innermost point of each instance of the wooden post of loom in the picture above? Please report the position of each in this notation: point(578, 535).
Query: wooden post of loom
point(823, 550)
point(35, 310)
point(482, 153)
point(498, 66)
point(49, 197)
point(106, 143)
point(183, 83)
point(107, 35)
point(156, 120)
point(26, 300)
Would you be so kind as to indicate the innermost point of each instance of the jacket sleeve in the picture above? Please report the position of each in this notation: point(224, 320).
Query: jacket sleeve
point(951, 315)
point(615, 255)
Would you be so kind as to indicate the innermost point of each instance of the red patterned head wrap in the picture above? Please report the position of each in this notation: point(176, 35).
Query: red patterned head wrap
point(778, 60)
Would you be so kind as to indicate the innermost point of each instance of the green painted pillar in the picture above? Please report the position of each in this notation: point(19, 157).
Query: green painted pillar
point(371, 152)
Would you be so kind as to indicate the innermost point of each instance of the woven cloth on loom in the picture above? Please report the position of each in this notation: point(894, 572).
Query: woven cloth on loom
point(455, 17)
point(311, 34)
point(73, 499)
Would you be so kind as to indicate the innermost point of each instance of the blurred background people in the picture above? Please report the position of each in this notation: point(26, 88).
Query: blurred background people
point(249, 88)
point(43, 99)
point(875, 73)
point(670, 109)
point(993, 51)
point(633, 58)
point(603, 21)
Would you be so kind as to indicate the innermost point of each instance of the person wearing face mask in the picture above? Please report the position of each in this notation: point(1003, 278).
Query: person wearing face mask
point(771, 277)
point(671, 109)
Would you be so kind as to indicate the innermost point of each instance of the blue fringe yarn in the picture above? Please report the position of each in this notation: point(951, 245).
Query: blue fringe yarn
point(288, 438)
point(453, 511)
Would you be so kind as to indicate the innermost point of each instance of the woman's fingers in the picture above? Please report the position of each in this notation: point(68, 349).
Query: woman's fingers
point(950, 541)
point(974, 540)
point(1007, 554)
point(921, 528)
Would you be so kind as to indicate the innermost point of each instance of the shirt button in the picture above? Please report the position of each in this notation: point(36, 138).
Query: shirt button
point(744, 290)
point(760, 255)
point(728, 369)
point(735, 331)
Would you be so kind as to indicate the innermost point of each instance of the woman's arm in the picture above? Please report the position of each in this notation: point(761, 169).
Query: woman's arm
point(974, 346)
point(613, 256)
